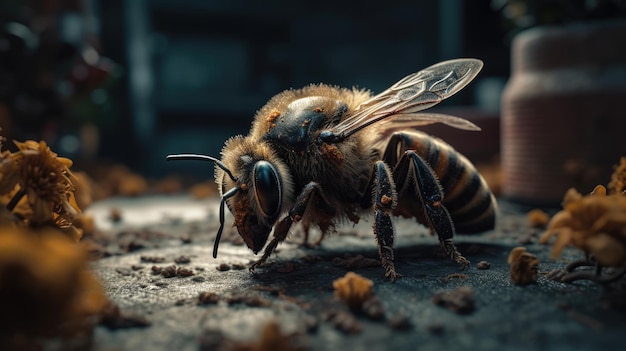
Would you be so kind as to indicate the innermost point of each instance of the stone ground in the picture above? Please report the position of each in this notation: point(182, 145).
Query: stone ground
point(295, 288)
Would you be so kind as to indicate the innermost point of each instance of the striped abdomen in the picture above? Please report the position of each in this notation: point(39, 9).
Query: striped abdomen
point(467, 197)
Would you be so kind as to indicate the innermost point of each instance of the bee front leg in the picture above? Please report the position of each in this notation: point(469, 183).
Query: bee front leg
point(311, 192)
point(385, 201)
point(425, 183)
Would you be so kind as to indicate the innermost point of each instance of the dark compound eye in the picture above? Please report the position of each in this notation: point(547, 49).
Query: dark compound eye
point(267, 188)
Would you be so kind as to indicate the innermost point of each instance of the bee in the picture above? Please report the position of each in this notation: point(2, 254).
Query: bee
point(323, 154)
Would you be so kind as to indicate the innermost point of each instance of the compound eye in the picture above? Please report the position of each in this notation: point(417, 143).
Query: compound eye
point(267, 190)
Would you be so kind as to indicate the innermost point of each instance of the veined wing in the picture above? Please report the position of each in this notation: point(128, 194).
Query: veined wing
point(414, 93)
point(414, 120)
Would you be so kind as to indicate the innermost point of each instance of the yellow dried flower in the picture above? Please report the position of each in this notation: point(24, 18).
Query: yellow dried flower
point(353, 289)
point(571, 195)
point(596, 224)
point(44, 282)
point(617, 185)
point(37, 174)
point(21, 210)
point(9, 172)
point(537, 218)
point(47, 181)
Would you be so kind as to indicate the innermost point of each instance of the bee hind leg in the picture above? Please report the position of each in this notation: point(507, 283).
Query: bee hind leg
point(306, 227)
point(425, 183)
point(385, 200)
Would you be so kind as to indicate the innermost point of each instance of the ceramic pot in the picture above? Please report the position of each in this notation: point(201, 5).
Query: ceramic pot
point(563, 111)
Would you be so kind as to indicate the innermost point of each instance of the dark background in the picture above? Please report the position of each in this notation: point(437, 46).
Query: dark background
point(131, 81)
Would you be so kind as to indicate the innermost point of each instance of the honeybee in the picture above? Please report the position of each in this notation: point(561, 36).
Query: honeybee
point(322, 154)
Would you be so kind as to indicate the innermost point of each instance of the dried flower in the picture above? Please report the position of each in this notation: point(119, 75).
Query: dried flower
point(596, 224)
point(44, 179)
point(47, 181)
point(353, 289)
point(537, 218)
point(523, 266)
point(44, 282)
point(617, 185)
point(9, 172)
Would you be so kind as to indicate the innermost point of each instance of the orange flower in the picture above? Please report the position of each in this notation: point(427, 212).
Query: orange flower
point(617, 185)
point(9, 171)
point(37, 173)
point(44, 282)
point(47, 181)
point(596, 224)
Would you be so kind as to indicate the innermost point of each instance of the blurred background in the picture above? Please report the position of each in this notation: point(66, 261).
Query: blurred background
point(131, 81)
point(151, 77)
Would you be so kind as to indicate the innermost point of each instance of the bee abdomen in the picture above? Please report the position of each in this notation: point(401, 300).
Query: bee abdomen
point(467, 196)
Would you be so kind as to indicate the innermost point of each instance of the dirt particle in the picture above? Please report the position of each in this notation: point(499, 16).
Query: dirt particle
point(182, 259)
point(459, 276)
point(483, 265)
point(152, 259)
point(355, 262)
point(287, 267)
point(184, 272)
point(251, 300)
point(460, 300)
point(523, 266)
point(169, 271)
point(113, 318)
point(400, 323)
point(185, 238)
point(223, 267)
point(374, 309)
point(344, 321)
point(238, 266)
point(208, 298)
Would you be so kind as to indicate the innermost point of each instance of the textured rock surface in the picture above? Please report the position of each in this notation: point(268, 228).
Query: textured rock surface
point(295, 288)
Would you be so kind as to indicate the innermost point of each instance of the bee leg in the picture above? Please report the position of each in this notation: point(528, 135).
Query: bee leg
point(430, 193)
point(305, 242)
point(384, 202)
point(311, 191)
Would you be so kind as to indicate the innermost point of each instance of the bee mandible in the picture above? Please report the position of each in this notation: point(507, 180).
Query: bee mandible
point(322, 154)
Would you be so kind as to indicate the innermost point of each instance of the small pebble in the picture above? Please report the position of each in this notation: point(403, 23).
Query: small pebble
point(483, 265)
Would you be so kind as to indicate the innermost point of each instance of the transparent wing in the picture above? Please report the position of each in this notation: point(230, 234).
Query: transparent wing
point(414, 120)
point(414, 93)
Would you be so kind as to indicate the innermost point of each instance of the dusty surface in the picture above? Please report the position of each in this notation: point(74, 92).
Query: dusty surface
point(295, 288)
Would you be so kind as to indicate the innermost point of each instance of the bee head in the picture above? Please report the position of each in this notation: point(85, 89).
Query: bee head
point(253, 183)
